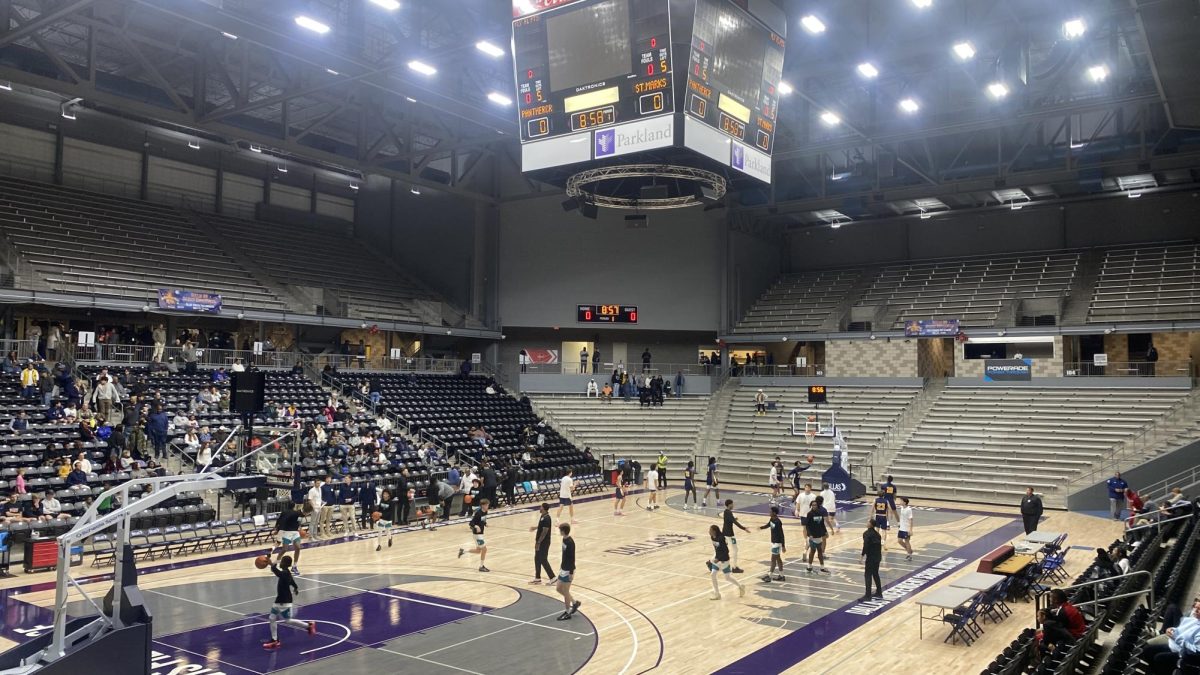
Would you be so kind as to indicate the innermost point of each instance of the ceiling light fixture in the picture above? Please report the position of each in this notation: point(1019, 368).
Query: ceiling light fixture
point(489, 49)
point(812, 24)
point(389, 5)
point(498, 98)
point(997, 90)
point(922, 4)
point(965, 51)
point(231, 36)
point(422, 68)
point(868, 70)
point(1098, 73)
point(785, 88)
point(195, 145)
point(281, 169)
point(415, 190)
point(1074, 28)
point(255, 148)
point(309, 23)
point(6, 86)
point(830, 119)
point(354, 186)
point(909, 105)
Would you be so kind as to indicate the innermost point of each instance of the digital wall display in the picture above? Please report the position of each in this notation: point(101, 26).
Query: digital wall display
point(590, 64)
point(816, 393)
point(607, 314)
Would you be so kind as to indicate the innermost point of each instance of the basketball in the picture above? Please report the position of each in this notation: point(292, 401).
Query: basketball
point(376, 516)
point(261, 562)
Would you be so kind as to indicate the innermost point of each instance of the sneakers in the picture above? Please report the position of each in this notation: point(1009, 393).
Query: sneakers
point(295, 571)
point(908, 557)
point(575, 606)
point(312, 628)
point(272, 645)
point(535, 581)
point(461, 552)
point(879, 596)
point(704, 504)
point(483, 569)
point(825, 571)
point(737, 570)
point(389, 542)
point(715, 596)
point(809, 569)
point(779, 577)
point(378, 548)
point(865, 598)
point(766, 578)
point(565, 616)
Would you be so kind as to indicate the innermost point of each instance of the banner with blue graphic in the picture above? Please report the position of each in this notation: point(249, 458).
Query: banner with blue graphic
point(1008, 370)
point(189, 301)
point(931, 328)
point(844, 487)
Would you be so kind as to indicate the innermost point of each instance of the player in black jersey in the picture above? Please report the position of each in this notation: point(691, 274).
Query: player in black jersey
point(541, 546)
point(282, 609)
point(478, 523)
point(287, 528)
point(881, 508)
point(814, 526)
point(720, 563)
point(566, 573)
point(778, 547)
point(729, 520)
point(689, 485)
point(389, 506)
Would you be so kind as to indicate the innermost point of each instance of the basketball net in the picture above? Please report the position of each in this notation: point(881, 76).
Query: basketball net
point(810, 429)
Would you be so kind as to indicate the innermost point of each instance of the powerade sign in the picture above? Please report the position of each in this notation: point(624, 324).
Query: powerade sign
point(1008, 370)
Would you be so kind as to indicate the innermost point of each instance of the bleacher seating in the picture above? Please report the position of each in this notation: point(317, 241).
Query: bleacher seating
point(1148, 283)
point(798, 302)
point(625, 429)
point(972, 290)
point(987, 444)
point(91, 243)
point(300, 255)
point(446, 406)
point(864, 414)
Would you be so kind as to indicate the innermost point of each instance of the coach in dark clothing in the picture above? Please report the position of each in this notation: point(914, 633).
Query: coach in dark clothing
point(405, 504)
point(490, 481)
point(1031, 510)
point(366, 500)
point(872, 555)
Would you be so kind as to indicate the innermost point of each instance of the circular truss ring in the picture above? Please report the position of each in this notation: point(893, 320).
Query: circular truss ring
point(583, 185)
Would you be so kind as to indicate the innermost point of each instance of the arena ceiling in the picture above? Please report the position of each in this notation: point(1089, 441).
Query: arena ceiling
point(1088, 108)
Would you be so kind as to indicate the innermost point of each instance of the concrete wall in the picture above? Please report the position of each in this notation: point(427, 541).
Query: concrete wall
point(1078, 225)
point(973, 368)
point(1095, 497)
point(551, 261)
point(871, 358)
point(935, 357)
point(754, 264)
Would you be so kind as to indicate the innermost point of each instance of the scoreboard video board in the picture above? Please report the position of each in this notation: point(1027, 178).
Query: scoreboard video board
point(594, 79)
point(732, 97)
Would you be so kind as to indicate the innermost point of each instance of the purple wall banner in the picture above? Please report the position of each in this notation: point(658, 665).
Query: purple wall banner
point(931, 328)
point(189, 301)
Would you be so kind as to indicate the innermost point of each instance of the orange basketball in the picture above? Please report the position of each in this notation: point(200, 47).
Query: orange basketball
point(376, 515)
point(261, 562)
point(811, 459)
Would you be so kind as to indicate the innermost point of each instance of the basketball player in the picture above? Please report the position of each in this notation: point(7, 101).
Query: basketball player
point(815, 528)
point(282, 609)
point(652, 486)
point(774, 480)
point(566, 488)
point(711, 481)
point(541, 545)
point(794, 474)
point(889, 493)
point(881, 516)
point(829, 502)
point(905, 532)
point(387, 507)
point(720, 563)
point(689, 485)
point(566, 573)
point(778, 547)
point(618, 496)
point(478, 523)
point(287, 528)
point(727, 531)
point(803, 501)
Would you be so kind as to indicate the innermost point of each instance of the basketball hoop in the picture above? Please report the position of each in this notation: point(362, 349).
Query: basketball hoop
point(681, 186)
point(810, 429)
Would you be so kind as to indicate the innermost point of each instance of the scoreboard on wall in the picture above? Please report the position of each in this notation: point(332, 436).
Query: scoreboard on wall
point(601, 78)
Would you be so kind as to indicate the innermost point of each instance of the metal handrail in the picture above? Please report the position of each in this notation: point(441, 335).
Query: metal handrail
point(1129, 369)
point(1158, 523)
point(1164, 486)
point(1037, 597)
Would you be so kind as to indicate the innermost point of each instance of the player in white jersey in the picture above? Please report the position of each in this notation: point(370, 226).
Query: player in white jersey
point(830, 501)
point(905, 533)
point(804, 500)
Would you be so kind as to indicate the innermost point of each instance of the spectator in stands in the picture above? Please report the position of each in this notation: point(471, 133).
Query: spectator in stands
point(19, 486)
point(595, 360)
point(606, 393)
point(29, 380)
point(12, 365)
point(55, 413)
point(1151, 358)
point(583, 360)
point(592, 389)
point(1062, 622)
point(1116, 495)
point(156, 431)
point(523, 360)
point(188, 353)
point(646, 360)
point(53, 508)
point(20, 423)
point(679, 382)
point(78, 478)
point(219, 376)
point(45, 387)
point(1163, 652)
point(34, 333)
point(1031, 510)
point(1135, 503)
point(159, 336)
point(104, 394)
point(67, 386)
point(760, 403)
point(464, 368)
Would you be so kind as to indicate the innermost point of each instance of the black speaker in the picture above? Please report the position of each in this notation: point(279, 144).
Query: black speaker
point(248, 392)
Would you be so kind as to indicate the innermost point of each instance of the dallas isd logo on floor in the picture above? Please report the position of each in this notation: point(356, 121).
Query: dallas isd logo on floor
point(655, 544)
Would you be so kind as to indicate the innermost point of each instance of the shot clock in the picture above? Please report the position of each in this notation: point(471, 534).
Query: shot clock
point(816, 393)
point(607, 314)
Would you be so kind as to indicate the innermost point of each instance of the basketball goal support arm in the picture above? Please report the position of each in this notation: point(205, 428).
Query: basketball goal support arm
point(91, 523)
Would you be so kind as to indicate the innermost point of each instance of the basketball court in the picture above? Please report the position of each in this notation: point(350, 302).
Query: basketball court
point(416, 608)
